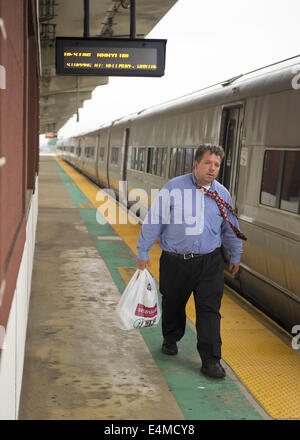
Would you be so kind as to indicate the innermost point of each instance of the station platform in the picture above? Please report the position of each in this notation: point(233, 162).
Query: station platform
point(80, 365)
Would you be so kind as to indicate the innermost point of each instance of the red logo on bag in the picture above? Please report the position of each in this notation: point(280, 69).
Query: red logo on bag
point(146, 312)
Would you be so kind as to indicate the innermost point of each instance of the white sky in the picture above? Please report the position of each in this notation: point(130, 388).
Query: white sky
point(223, 37)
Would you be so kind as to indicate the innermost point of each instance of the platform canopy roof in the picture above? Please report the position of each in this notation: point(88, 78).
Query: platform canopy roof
point(62, 96)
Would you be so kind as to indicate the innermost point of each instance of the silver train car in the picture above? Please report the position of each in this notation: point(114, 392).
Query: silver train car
point(255, 117)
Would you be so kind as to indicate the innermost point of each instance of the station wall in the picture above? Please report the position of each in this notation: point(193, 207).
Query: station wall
point(19, 149)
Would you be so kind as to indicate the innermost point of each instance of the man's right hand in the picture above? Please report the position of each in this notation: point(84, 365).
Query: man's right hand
point(142, 264)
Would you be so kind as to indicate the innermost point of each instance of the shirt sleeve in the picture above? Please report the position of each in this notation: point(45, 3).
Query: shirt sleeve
point(231, 242)
point(157, 216)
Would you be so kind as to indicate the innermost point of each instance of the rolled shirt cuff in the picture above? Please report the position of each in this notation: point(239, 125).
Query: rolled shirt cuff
point(142, 255)
point(235, 259)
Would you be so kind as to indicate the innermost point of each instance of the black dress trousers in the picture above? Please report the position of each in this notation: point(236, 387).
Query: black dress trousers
point(204, 276)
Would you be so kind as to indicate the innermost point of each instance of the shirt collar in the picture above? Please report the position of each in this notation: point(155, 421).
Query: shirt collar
point(212, 187)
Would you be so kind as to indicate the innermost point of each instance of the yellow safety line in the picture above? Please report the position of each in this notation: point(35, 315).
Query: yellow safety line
point(265, 364)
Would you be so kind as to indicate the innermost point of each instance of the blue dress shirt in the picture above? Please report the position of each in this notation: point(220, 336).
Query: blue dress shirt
point(187, 220)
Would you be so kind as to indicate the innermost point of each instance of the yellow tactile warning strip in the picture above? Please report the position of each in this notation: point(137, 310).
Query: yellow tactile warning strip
point(264, 363)
point(268, 367)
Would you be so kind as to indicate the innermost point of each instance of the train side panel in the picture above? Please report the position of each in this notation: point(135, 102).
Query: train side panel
point(102, 168)
point(260, 170)
point(269, 274)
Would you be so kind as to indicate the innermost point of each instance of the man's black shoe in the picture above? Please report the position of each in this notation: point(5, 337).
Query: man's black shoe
point(169, 348)
point(213, 368)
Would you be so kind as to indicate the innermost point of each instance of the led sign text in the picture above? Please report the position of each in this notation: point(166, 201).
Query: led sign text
point(113, 57)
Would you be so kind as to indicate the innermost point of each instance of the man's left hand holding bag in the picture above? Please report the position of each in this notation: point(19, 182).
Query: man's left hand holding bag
point(143, 264)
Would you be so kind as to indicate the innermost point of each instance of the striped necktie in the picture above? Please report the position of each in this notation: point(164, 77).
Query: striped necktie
point(222, 205)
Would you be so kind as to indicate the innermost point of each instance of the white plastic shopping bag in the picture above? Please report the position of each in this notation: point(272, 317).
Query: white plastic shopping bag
point(138, 306)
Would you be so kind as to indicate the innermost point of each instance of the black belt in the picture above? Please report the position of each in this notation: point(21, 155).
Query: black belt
point(188, 256)
point(184, 256)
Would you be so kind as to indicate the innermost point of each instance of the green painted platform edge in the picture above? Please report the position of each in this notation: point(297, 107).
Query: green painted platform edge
point(199, 397)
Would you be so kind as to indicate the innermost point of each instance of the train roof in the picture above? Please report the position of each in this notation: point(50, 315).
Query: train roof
point(265, 80)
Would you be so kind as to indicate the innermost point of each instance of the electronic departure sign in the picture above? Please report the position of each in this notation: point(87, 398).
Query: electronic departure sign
point(112, 57)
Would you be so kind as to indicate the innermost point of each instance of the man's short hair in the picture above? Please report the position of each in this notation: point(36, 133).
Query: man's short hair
point(213, 149)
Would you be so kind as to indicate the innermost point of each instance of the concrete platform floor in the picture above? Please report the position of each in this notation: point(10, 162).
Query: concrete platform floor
point(78, 363)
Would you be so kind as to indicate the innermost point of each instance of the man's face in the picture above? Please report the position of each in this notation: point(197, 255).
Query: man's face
point(207, 169)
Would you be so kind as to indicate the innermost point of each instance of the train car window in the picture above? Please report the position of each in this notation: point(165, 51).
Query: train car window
point(72, 150)
point(141, 159)
point(101, 154)
point(152, 160)
point(290, 191)
point(155, 160)
point(270, 191)
point(149, 160)
point(161, 161)
point(188, 160)
point(179, 160)
point(78, 151)
point(135, 159)
point(172, 168)
point(89, 152)
point(229, 146)
point(132, 162)
point(160, 156)
point(281, 180)
point(114, 155)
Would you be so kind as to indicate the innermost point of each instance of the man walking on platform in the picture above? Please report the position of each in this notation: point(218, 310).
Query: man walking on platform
point(193, 216)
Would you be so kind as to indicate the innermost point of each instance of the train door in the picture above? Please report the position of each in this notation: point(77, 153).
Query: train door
point(108, 152)
point(231, 137)
point(82, 144)
point(125, 155)
point(231, 141)
point(123, 187)
point(97, 156)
